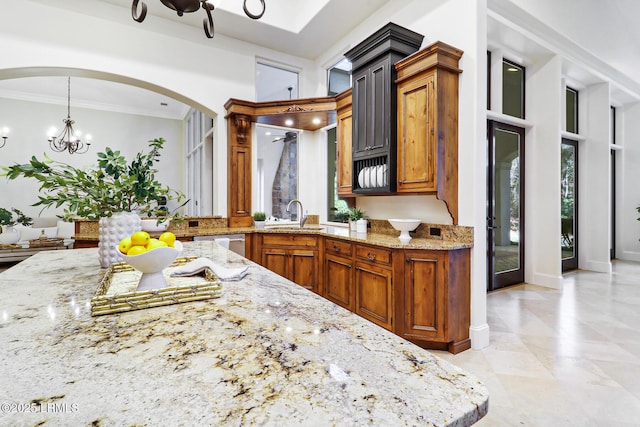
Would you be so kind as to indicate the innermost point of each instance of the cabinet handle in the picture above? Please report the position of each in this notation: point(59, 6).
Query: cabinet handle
point(336, 248)
point(409, 260)
point(371, 257)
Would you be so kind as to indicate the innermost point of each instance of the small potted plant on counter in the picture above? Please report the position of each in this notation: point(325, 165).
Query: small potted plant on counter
point(9, 234)
point(355, 214)
point(259, 219)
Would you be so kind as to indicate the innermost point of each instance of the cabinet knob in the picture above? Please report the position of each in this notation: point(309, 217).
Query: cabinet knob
point(336, 248)
point(371, 257)
point(408, 260)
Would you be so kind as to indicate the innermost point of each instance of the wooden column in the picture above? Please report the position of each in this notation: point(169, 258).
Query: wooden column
point(239, 170)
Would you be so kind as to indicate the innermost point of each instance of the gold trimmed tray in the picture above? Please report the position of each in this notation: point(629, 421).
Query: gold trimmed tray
point(117, 290)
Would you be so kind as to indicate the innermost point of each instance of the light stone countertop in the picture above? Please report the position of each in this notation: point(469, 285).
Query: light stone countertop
point(343, 233)
point(268, 352)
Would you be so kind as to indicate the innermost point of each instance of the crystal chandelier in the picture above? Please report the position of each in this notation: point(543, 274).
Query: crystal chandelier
point(68, 140)
point(182, 6)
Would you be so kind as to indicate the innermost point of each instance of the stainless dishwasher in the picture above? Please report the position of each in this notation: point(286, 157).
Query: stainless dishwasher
point(233, 242)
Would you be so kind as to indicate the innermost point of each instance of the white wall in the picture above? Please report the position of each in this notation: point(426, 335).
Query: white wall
point(128, 133)
point(203, 73)
point(594, 182)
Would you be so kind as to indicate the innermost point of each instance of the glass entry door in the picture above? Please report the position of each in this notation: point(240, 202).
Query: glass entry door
point(505, 206)
point(569, 204)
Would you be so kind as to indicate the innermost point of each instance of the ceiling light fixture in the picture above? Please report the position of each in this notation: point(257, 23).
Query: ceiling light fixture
point(68, 140)
point(182, 6)
point(5, 135)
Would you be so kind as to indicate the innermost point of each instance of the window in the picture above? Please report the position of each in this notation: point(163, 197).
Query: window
point(338, 80)
point(339, 77)
point(512, 89)
point(571, 110)
point(275, 84)
point(199, 148)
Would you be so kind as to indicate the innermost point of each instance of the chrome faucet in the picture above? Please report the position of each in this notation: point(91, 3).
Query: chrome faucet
point(302, 217)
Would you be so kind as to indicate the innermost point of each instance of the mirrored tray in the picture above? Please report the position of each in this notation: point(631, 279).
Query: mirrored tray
point(117, 290)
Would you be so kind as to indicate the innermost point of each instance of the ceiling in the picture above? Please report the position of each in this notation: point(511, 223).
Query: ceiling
point(308, 28)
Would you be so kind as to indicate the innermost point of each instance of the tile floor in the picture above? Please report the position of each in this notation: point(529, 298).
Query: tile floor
point(567, 357)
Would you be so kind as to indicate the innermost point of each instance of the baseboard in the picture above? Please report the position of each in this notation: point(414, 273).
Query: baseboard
point(629, 256)
point(547, 280)
point(479, 336)
point(598, 266)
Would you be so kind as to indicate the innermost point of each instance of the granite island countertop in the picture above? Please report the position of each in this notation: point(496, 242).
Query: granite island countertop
point(268, 352)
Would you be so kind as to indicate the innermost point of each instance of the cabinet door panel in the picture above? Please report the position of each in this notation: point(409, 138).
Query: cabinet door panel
point(373, 294)
point(275, 260)
point(360, 108)
point(416, 138)
point(338, 281)
point(378, 104)
point(303, 268)
point(424, 298)
point(345, 165)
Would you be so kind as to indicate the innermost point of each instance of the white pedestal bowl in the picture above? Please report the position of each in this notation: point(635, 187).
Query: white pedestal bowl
point(404, 226)
point(151, 265)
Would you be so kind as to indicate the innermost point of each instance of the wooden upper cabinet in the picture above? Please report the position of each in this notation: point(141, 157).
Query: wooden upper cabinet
point(427, 131)
point(416, 135)
point(344, 135)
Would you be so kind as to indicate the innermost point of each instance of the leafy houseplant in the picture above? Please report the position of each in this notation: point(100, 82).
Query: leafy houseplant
point(110, 187)
point(6, 218)
point(355, 214)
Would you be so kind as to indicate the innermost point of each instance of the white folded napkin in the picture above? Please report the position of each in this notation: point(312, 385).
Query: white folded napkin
point(197, 265)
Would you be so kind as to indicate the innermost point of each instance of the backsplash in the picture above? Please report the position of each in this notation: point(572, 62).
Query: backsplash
point(450, 233)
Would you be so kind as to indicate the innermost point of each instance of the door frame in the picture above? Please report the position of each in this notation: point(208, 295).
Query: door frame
point(569, 264)
point(500, 280)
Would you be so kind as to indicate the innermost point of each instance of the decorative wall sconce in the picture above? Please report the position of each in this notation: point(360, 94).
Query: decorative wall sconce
point(5, 135)
point(182, 6)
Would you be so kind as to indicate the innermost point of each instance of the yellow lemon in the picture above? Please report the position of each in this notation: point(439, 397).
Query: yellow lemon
point(168, 237)
point(124, 245)
point(136, 250)
point(140, 238)
point(155, 243)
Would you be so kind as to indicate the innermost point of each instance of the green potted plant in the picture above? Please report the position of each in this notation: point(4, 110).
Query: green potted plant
point(355, 214)
point(259, 219)
point(9, 234)
point(111, 187)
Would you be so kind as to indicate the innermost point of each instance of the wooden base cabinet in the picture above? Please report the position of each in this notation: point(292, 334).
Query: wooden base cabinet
point(373, 285)
point(434, 300)
point(294, 257)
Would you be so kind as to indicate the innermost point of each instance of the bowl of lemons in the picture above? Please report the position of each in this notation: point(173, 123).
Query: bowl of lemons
point(150, 256)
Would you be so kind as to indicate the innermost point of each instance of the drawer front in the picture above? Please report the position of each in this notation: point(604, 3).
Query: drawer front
point(376, 255)
point(295, 240)
point(338, 247)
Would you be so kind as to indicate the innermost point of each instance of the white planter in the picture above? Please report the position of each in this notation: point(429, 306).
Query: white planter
point(10, 235)
point(352, 225)
point(151, 225)
point(361, 226)
point(259, 224)
point(111, 231)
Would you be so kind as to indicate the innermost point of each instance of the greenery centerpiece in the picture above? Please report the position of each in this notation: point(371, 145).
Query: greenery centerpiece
point(6, 218)
point(111, 186)
point(9, 234)
point(113, 191)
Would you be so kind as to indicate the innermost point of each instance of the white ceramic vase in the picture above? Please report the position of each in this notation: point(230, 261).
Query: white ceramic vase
point(10, 235)
point(111, 231)
point(361, 226)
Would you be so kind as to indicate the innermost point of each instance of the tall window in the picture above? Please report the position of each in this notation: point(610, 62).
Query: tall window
point(338, 80)
point(199, 146)
point(572, 110)
point(275, 84)
point(512, 89)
